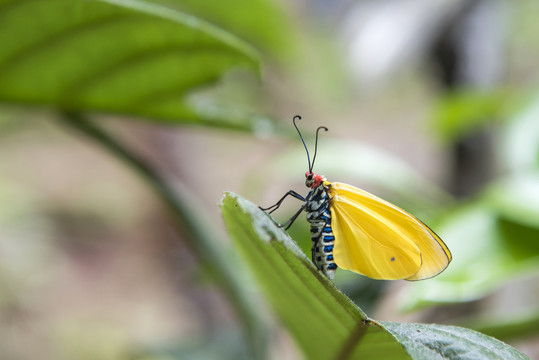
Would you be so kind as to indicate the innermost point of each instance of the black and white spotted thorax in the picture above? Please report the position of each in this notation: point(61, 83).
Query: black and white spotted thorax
point(319, 216)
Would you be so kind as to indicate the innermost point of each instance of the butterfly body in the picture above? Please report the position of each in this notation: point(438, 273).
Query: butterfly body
point(323, 241)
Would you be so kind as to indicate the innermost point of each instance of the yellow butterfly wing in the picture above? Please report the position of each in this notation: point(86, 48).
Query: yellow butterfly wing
point(380, 240)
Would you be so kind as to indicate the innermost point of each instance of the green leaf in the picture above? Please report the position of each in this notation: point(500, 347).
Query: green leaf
point(116, 56)
point(521, 325)
point(490, 245)
point(321, 318)
point(461, 112)
point(262, 23)
point(324, 322)
point(479, 264)
point(438, 342)
point(516, 198)
point(519, 139)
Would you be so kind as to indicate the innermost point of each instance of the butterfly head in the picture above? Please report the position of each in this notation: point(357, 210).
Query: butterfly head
point(313, 180)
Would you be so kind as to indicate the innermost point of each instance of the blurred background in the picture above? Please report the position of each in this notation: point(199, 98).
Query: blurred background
point(432, 105)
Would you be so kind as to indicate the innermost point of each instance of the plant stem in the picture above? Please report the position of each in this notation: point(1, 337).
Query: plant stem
point(201, 240)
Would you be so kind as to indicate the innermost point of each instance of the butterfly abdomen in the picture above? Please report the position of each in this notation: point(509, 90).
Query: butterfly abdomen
point(322, 237)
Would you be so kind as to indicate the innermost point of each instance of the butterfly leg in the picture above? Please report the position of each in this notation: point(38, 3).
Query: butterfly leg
point(275, 206)
point(289, 223)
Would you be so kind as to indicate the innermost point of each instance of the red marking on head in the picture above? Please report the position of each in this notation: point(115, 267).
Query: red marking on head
point(317, 180)
point(313, 180)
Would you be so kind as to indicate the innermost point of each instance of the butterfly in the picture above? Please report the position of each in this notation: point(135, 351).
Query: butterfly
point(355, 230)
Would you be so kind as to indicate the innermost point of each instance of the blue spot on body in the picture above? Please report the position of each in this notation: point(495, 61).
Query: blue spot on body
point(327, 229)
point(393, 258)
point(328, 248)
point(329, 257)
point(332, 266)
point(329, 238)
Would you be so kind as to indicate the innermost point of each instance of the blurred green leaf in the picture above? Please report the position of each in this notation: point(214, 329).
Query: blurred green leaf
point(522, 325)
point(520, 241)
point(487, 249)
point(325, 323)
point(478, 265)
point(515, 201)
point(516, 198)
point(118, 56)
point(494, 238)
point(464, 111)
point(519, 139)
point(262, 23)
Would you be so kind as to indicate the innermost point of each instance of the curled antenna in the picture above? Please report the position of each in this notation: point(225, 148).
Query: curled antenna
point(316, 146)
point(303, 141)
